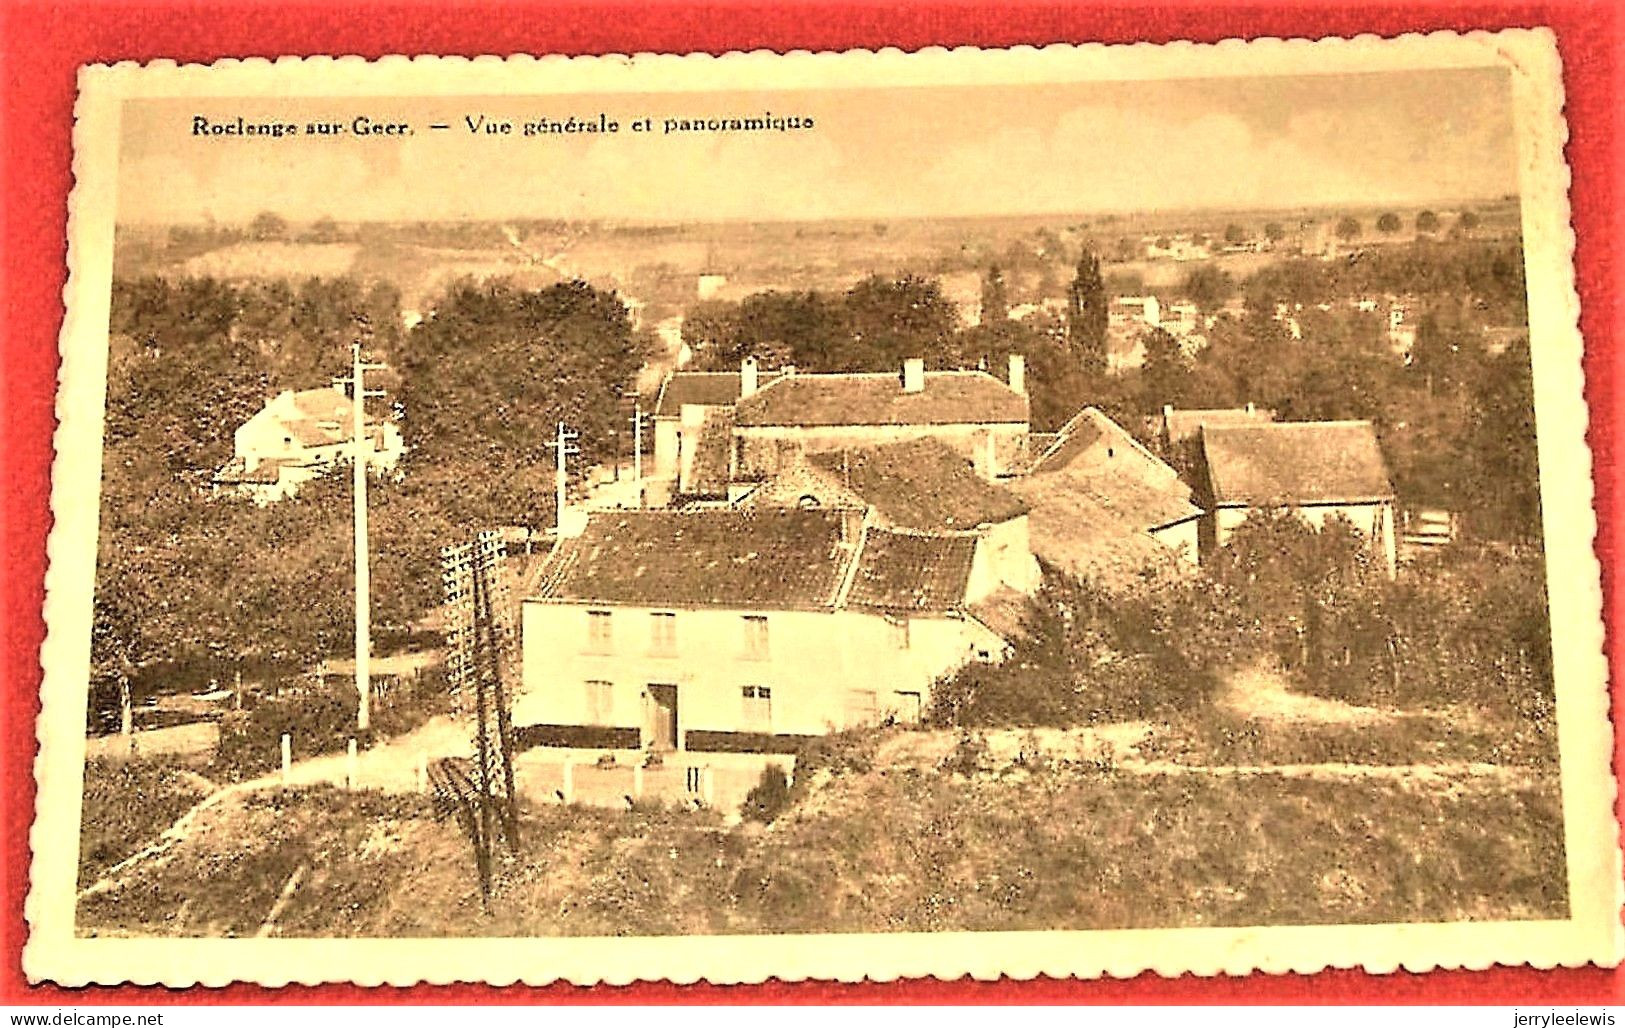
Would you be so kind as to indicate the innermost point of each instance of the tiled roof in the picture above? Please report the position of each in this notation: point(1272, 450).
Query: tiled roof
point(921, 484)
point(322, 417)
point(904, 571)
point(949, 398)
point(1184, 424)
point(1295, 463)
point(323, 404)
point(1005, 611)
point(1096, 496)
point(707, 388)
point(709, 476)
point(1097, 526)
point(755, 558)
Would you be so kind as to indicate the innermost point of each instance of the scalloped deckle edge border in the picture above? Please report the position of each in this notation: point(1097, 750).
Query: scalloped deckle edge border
point(1592, 935)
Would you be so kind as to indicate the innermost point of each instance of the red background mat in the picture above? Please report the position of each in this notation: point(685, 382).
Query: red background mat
point(44, 43)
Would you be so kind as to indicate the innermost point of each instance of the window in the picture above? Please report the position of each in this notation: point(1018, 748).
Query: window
point(663, 633)
point(758, 708)
point(600, 632)
point(600, 703)
point(755, 637)
point(898, 628)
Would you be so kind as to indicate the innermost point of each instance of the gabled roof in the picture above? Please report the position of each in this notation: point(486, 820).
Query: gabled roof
point(315, 417)
point(1096, 497)
point(921, 484)
point(756, 558)
point(707, 388)
point(1181, 425)
point(820, 400)
point(1292, 463)
point(905, 571)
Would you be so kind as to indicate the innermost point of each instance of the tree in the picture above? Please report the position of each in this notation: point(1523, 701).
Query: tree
point(1348, 228)
point(267, 226)
point(1209, 286)
point(1427, 221)
point(1274, 232)
point(995, 301)
point(324, 230)
point(1388, 224)
point(1467, 221)
point(1086, 314)
point(1234, 233)
point(1166, 372)
point(890, 320)
point(491, 374)
point(1313, 594)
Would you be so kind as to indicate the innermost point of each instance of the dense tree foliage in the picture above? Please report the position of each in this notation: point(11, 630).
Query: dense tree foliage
point(189, 581)
point(1463, 628)
point(874, 326)
point(1089, 655)
point(995, 299)
point(1086, 314)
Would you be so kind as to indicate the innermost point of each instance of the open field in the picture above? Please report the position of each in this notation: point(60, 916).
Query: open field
point(660, 264)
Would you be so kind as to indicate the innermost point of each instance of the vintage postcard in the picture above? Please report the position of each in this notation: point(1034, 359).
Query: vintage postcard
point(1073, 511)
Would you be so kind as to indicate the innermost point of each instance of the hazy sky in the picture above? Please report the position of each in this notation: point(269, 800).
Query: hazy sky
point(1392, 137)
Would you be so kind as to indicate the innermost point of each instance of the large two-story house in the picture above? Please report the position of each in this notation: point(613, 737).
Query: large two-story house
point(743, 630)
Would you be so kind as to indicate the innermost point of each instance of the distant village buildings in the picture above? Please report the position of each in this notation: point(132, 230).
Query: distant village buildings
point(298, 436)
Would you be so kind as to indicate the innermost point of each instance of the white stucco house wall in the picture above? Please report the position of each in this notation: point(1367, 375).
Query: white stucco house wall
point(298, 436)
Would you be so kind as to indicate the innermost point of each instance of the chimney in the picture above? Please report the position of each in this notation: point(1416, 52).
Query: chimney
point(1250, 409)
point(1167, 413)
point(914, 375)
point(747, 377)
point(1018, 373)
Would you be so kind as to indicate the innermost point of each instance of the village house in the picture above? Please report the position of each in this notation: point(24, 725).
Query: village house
point(298, 436)
point(1178, 430)
point(1105, 507)
point(1316, 469)
point(742, 630)
point(919, 486)
point(719, 434)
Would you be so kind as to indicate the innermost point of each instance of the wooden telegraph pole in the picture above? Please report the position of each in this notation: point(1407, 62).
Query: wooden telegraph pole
point(363, 582)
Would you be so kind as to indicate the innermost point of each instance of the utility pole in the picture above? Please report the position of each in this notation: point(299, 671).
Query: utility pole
point(363, 580)
point(563, 446)
point(637, 449)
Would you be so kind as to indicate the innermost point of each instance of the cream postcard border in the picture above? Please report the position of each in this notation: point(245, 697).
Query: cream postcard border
point(1592, 934)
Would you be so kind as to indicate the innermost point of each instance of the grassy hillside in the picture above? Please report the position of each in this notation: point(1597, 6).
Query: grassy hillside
point(879, 842)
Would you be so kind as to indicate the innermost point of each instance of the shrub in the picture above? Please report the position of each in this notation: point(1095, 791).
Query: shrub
point(769, 798)
point(1091, 655)
point(321, 718)
point(968, 757)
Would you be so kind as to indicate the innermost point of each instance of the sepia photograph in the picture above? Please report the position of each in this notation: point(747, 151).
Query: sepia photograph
point(888, 514)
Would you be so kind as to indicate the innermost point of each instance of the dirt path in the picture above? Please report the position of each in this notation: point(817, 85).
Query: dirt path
point(391, 766)
point(1262, 693)
point(1425, 776)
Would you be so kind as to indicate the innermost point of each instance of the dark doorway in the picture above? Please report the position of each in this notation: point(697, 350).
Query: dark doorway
point(663, 717)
